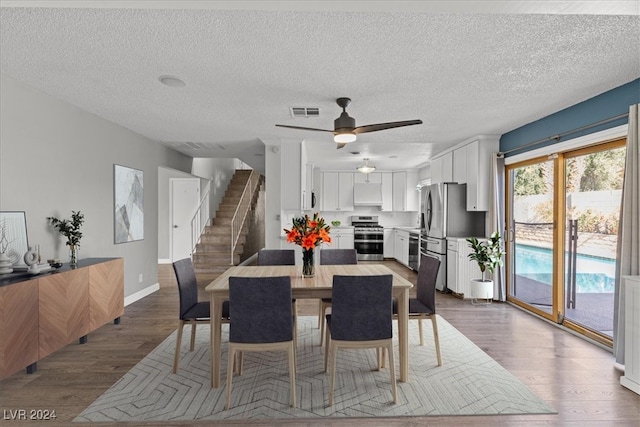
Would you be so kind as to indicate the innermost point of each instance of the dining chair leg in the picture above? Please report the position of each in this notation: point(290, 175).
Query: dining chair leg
point(292, 374)
point(193, 336)
point(323, 321)
point(392, 369)
point(420, 331)
point(178, 343)
point(327, 342)
point(230, 363)
point(320, 317)
point(436, 338)
point(239, 362)
point(334, 354)
point(383, 361)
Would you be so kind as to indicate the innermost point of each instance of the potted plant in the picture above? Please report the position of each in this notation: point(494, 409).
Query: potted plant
point(488, 254)
point(71, 230)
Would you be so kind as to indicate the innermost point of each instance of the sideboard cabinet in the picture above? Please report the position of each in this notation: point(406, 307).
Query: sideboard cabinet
point(41, 314)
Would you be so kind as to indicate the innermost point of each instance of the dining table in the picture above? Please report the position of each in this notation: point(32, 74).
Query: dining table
point(316, 287)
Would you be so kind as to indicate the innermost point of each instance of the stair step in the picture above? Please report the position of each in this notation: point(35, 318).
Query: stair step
point(205, 260)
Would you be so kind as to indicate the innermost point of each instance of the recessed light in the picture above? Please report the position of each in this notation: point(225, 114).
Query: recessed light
point(393, 157)
point(171, 81)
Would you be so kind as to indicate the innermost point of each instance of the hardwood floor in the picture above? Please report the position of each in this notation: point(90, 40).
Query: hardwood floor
point(574, 376)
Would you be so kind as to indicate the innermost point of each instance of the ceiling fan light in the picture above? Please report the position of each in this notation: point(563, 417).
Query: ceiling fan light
point(345, 137)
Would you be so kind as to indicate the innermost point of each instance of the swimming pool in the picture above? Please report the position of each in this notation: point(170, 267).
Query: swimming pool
point(595, 274)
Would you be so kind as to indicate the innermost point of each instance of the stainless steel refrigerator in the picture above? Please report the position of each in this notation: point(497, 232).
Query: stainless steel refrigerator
point(444, 213)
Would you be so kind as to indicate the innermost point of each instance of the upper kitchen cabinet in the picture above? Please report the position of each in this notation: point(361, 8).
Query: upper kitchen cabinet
point(310, 192)
point(337, 191)
point(387, 191)
point(293, 181)
point(442, 168)
point(472, 166)
point(405, 196)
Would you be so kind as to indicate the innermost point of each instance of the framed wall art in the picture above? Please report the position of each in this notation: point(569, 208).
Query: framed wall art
point(129, 204)
point(13, 236)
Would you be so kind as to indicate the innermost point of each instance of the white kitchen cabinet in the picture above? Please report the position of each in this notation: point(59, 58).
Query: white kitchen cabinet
point(460, 165)
point(405, 195)
point(442, 168)
point(401, 246)
point(460, 269)
point(479, 168)
point(341, 238)
point(387, 191)
point(388, 245)
point(307, 193)
point(337, 191)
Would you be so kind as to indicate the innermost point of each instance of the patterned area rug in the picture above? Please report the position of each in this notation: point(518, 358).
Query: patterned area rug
point(469, 382)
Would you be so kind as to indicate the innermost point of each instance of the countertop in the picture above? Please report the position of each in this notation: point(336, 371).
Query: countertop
point(412, 230)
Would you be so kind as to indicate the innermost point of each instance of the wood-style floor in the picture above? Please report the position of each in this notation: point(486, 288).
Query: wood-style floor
point(576, 377)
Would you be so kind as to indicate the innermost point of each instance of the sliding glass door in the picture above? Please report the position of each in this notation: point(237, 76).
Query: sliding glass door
point(531, 238)
point(593, 194)
point(562, 214)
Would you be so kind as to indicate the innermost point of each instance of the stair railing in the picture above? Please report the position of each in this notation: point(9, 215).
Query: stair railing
point(240, 214)
point(200, 219)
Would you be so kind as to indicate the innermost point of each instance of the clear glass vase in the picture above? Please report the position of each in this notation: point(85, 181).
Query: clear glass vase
point(308, 267)
point(73, 256)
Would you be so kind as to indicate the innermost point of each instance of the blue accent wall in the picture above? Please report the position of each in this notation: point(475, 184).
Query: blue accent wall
point(601, 107)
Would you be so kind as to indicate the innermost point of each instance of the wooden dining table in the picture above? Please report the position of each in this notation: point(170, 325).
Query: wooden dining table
point(315, 287)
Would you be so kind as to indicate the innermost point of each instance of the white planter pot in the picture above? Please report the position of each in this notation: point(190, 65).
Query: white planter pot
point(481, 291)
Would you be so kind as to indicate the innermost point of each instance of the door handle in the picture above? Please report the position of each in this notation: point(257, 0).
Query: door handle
point(175, 226)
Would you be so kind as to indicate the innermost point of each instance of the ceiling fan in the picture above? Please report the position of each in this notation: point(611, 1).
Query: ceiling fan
point(345, 129)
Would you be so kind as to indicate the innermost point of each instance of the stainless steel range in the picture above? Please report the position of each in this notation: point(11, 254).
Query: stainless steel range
point(368, 238)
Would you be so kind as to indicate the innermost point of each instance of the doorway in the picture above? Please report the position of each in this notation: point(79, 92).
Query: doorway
point(185, 197)
point(562, 216)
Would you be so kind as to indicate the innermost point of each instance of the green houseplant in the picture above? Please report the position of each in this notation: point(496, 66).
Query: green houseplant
point(488, 256)
point(70, 228)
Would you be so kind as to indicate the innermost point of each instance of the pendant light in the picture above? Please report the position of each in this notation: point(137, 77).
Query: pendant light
point(366, 167)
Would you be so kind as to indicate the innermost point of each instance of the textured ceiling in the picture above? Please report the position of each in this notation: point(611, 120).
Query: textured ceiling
point(463, 74)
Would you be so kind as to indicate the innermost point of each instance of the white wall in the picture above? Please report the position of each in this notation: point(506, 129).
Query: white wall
point(55, 158)
point(219, 172)
point(272, 229)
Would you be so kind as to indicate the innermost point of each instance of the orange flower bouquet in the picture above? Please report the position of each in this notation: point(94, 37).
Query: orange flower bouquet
point(308, 233)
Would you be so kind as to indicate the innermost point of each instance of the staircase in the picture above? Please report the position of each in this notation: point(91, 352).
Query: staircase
point(212, 255)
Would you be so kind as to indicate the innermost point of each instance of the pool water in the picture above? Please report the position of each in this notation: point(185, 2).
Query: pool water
point(594, 274)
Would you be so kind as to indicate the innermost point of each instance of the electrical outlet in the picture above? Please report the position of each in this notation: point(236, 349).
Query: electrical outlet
point(140, 278)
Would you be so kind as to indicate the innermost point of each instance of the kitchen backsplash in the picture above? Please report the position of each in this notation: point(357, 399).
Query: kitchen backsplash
point(386, 219)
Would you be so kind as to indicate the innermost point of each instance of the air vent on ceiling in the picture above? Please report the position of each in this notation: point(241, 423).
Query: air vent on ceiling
point(305, 112)
point(201, 146)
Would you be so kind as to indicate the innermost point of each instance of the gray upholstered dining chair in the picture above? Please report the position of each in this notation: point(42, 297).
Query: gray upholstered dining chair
point(261, 320)
point(192, 311)
point(277, 257)
point(423, 307)
point(361, 317)
point(332, 257)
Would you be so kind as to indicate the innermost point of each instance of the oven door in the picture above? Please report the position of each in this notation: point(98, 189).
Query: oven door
point(369, 250)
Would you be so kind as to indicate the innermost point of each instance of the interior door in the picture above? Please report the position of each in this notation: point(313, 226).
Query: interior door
point(185, 197)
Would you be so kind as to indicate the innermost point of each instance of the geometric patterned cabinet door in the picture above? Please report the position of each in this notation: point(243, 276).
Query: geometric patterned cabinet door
point(64, 309)
point(41, 315)
point(106, 292)
point(18, 327)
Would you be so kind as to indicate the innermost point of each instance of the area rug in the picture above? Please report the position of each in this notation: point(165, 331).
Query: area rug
point(469, 382)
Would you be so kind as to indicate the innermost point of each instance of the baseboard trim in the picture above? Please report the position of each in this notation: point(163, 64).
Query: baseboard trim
point(141, 294)
point(164, 261)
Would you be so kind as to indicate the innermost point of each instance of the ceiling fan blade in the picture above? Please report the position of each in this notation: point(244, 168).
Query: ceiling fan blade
point(383, 126)
point(304, 128)
point(340, 145)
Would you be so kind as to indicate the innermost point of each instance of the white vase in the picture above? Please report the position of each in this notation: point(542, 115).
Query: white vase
point(5, 264)
point(481, 291)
